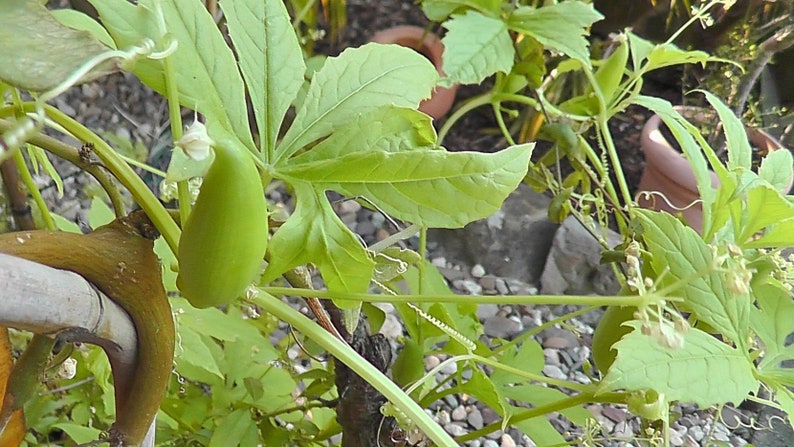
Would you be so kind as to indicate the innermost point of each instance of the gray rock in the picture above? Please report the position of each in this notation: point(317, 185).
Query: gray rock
point(475, 419)
point(554, 372)
point(459, 413)
point(502, 327)
point(507, 441)
point(573, 265)
point(512, 243)
point(486, 311)
point(455, 429)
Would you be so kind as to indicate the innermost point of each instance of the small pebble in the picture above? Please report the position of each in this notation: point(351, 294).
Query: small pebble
point(689, 442)
point(501, 287)
point(555, 343)
point(554, 372)
point(377, 219)
point(455, 429)
point(501, 327)
point(486, 311)
point(451, 400)
point(696, 432)
point(490, 443)
point(489, 416)
point(459, 413)
point(431, 362)
point(488, 283)
point(494, 435)
point(450, 368)
point(478, 271)
point(475, 419)
point(507, 441)
point(443, 418)
point(551, 356)
point(615, 414)
point(676, 438)
point(467, 285)
point(439, 262)
point(721, 432)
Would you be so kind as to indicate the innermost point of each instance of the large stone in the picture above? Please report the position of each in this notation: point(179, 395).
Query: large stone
point(512, 243)
point(573, 266)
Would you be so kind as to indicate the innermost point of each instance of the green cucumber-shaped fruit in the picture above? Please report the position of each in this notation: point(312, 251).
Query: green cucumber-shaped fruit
point(224, 239)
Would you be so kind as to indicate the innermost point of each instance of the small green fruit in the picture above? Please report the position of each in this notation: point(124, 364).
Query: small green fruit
point(225, 237)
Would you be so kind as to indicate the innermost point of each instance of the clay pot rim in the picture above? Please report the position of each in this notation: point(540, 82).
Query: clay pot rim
point(658, 149)
point(442, 98)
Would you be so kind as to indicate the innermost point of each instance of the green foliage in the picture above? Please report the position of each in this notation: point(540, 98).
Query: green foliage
point(355, 131)
point(59, 50)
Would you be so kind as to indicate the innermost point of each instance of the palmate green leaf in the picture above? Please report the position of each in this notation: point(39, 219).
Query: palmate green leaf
point(213, 322)
point(560, 26)
point(270, 59)
point(237, 428)
point(430, 188)
point(777, 168)
point(540, 429)
point(80, 21)
point(765, 206)
point(482, 388)
point(206, 72)
point(313, 233)
point(439, 10)
point(640, 49)
point(389, 129)
point(773, 324)
point(704, 371)
point(785, 397)
point(739, 151)
point(667, 54)
point(79, 433)
point(475, 47)
point(778, 235)
point(38, 52)
point(680, 252)
point(357, 82)
point(193, 349)
point(528, 358)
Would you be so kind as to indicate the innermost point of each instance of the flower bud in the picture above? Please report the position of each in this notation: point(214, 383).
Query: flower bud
point(195, 143)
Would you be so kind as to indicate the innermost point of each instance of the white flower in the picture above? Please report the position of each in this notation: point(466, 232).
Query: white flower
point(195, 143)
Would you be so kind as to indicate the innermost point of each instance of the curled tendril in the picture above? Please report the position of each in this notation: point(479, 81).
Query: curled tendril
point(649, 195)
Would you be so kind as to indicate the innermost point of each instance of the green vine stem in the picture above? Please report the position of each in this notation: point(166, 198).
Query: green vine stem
point(353, 360)
point(143, 196)
point(72, 155)
point(30, 185)
point(465, 108)
point(576, 300)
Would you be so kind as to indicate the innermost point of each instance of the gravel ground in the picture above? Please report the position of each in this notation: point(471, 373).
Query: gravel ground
point(123, 108)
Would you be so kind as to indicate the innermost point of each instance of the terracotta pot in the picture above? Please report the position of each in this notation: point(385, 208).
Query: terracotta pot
point(430, 46)
point(668, 172)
